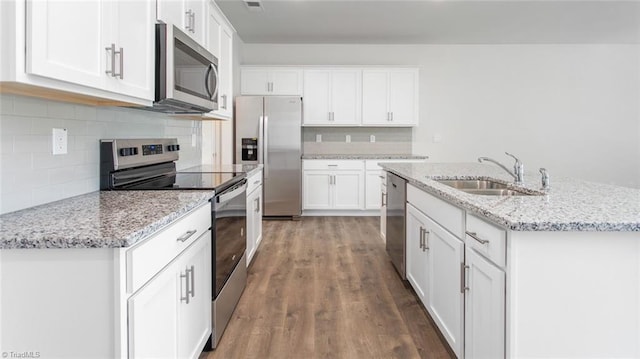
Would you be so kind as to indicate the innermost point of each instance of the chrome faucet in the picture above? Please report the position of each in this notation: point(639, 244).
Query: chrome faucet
point(518, 167)
point(545, 179)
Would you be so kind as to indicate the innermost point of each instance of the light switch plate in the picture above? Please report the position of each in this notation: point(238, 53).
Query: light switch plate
point(372, 138)
point(347, 138)
point(59, 140)
point(318, 138)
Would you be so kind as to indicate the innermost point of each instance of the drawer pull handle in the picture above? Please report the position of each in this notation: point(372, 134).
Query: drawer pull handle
point(474, 235)
point(332, 165)
point(184, 237)
point(256, 182)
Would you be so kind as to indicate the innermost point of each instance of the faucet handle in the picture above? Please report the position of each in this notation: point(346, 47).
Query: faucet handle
point(514, 157)
point(545, 179)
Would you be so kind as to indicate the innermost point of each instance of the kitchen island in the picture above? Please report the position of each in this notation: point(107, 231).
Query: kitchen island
point(553, 274)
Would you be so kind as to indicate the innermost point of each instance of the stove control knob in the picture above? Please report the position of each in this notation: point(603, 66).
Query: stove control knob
point(134, 150)
point(124, 152)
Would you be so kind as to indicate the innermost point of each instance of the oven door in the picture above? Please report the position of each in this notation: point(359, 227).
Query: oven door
point(230, 243)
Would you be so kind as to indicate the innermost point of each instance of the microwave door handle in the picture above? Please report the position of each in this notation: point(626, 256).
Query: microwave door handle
point(215, 73)
point(206, 80)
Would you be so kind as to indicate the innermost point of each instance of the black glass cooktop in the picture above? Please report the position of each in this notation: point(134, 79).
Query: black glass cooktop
point(193, 181)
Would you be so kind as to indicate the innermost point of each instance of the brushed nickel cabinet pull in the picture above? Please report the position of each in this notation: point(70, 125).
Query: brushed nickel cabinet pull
point(426, 239)
point(474, 235)
point(184, 298)
point(184, 237)
point(192, 275)
point(112, 49)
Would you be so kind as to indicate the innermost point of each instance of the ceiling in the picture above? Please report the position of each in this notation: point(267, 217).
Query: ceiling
point(436, 21)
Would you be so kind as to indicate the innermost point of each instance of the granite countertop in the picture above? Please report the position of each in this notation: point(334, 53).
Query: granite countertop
point(107, 219)
point(570, 205)
point(364, 157)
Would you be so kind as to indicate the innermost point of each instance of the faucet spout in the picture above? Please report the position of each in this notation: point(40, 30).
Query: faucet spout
point(518, 168)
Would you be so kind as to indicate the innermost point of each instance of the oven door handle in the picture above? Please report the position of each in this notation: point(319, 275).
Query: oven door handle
point(227, 196)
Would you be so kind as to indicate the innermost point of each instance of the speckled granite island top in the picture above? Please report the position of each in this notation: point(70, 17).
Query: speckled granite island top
point(570, 205)
point(107, 219)
point(364, 157)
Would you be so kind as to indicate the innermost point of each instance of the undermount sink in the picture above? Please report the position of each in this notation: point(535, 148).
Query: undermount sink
point(484, 187)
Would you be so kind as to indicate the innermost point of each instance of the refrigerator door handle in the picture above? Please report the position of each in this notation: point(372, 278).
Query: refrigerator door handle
point(260, 148)
point(265, 145)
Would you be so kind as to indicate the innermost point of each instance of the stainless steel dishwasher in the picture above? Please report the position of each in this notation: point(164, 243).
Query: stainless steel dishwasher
point(396, 204)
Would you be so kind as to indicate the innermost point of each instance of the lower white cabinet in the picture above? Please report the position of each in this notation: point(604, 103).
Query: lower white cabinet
point(417, 260)
point(339, 189)
point(373, 190)
point(171, 315)
point(149, 300)
point(434, 260)
point(254, 215)
point(484, 308)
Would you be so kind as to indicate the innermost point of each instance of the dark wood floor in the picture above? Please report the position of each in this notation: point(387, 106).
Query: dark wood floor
point(323, 287)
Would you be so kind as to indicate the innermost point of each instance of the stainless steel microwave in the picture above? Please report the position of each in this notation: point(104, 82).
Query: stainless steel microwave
point(186, 74)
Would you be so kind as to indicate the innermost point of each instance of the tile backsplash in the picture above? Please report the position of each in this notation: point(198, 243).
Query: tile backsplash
point(333, 140)
point(31, 175)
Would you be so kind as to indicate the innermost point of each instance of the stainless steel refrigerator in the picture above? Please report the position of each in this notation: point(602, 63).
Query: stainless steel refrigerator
point(268, 131)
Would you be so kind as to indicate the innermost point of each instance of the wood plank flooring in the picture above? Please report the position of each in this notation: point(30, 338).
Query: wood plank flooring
point(323, 287)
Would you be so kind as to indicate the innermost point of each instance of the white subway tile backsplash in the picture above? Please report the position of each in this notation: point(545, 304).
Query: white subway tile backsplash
point(6, 104)
point(27, 106)
point(31, 175)
point(61, 110)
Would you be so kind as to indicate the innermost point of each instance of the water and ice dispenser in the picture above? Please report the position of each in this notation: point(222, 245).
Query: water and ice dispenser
point(249, 149)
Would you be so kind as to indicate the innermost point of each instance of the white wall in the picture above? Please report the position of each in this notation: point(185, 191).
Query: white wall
point(574, 109)
point(31, 175)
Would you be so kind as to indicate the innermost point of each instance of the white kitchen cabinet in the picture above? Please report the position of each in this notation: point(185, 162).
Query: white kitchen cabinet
point(390, 97)
point(188, 15)
point(107, 45)
point(446, 297)
point(373, 189)
point(254, 215)
point(170, 315)
point(417, 261)
point(484, 308)
point(271, 81)
point(333, 185)
point(113, 302)
point(383, 208)
point(220, 43)
point(339, 190)
point(332, 97)
point(437, 274)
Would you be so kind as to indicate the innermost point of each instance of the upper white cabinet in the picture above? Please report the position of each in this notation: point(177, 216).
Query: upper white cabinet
point(390, 97)
point(271, 81)
point(188, 15)
point(220, 43)
point(107, 45)
point(332, 97)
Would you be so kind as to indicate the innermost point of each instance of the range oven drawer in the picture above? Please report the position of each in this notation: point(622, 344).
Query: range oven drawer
point(147, 258)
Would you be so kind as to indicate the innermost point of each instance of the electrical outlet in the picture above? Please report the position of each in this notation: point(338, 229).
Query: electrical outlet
point(347, 138)
point(194, 140)
point(318, 138)
point(372, 138)
point(59, 136)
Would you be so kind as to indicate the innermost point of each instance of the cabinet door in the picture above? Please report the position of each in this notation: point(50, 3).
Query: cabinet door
point(193, 273)
point(403, 85)
point(172, 12)
point(225, 68)
point(373, 190)
point(252, 203)
point(484, 309)
point(152, 318)
point(213, 34)
point(375, 86)
point(286, 82)
point(417, 258)
point(133, 31)
point(254, 82)
point(317, 190)
point(317, 95)
point(346, 97)
point(65, 41)
point(197, 26)
point(348, 190)
point(446, 300)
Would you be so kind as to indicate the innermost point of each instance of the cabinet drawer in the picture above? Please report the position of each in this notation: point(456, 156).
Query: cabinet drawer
point(149, 257)
point(447, 215)
point(333, 165)
point(490, 240)
point(254, 181)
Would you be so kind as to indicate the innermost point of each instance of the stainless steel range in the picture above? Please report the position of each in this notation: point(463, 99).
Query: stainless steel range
point(149, 164)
